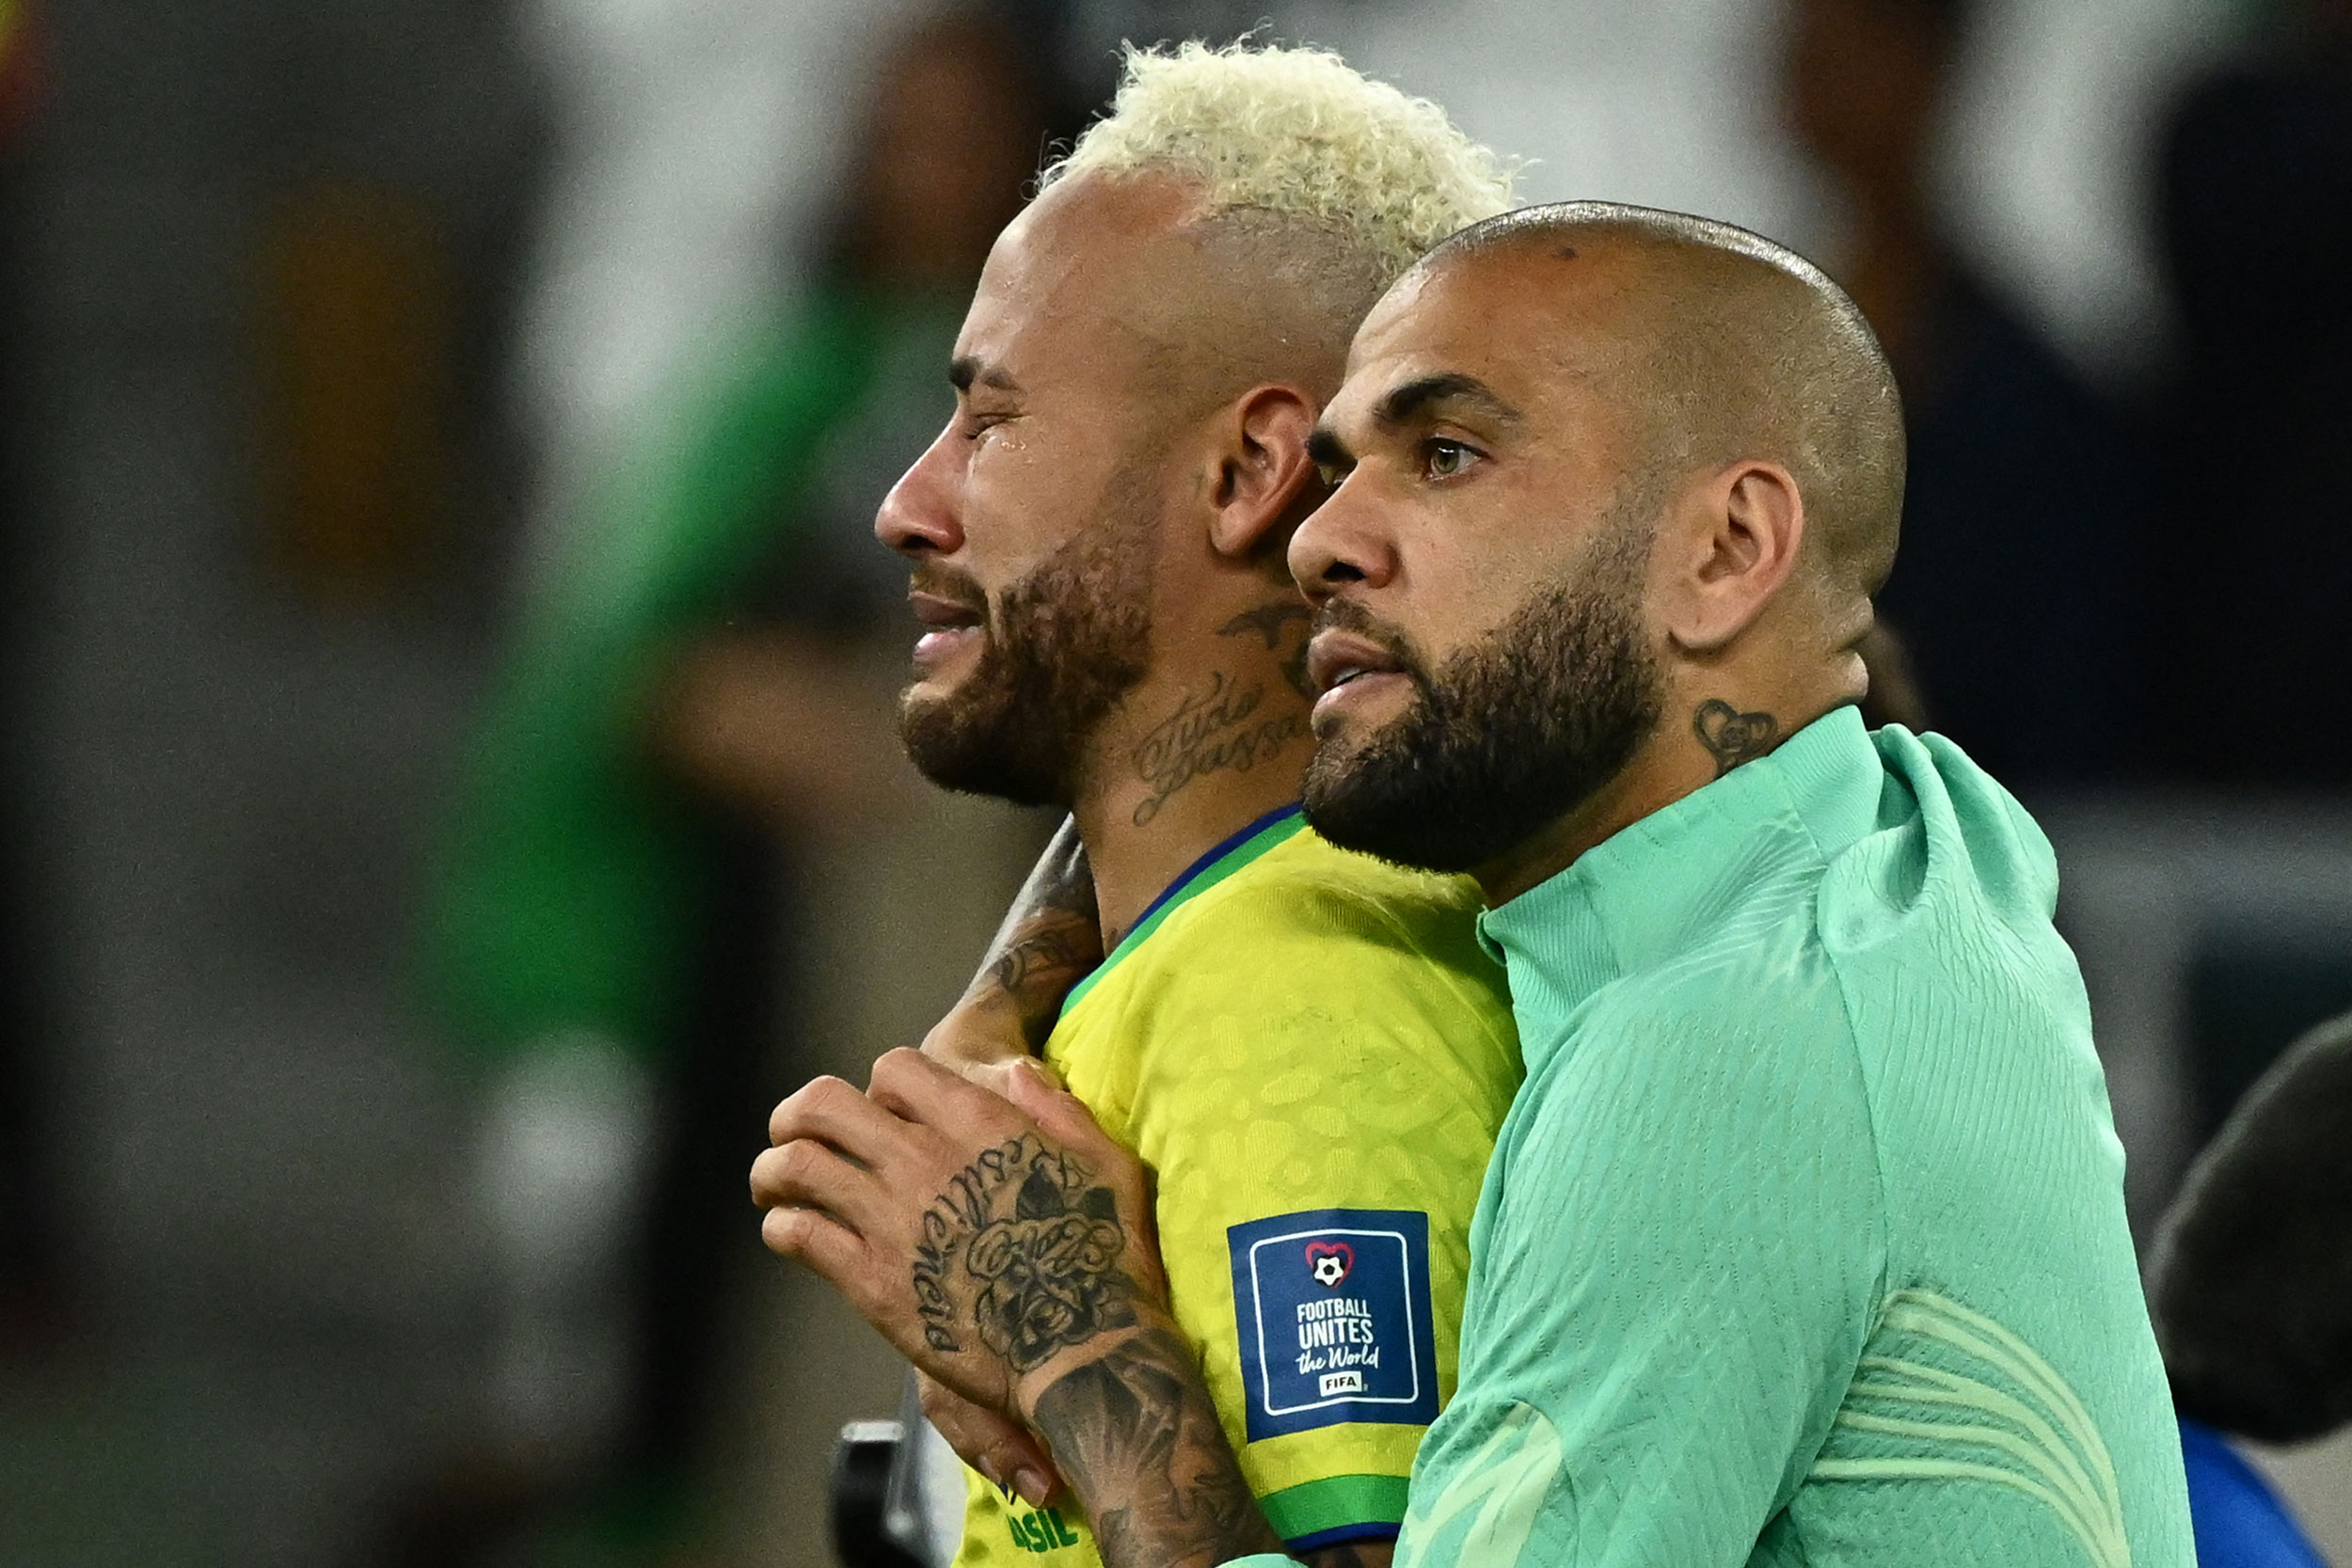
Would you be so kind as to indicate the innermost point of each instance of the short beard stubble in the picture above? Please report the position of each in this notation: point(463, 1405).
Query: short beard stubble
point(1064, 645)
point(1510, 733)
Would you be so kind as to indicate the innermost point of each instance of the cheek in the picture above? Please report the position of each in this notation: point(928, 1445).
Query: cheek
point(1026, 494)
point(1450, 602)
point(1009, 509)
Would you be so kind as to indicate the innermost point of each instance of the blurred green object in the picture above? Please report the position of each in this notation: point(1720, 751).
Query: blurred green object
point(569, 885)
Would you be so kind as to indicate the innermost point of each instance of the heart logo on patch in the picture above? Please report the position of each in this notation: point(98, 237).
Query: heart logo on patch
point(1329, 1261)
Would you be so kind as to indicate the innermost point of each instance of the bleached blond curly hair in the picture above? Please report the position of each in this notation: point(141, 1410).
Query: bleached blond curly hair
point(1296, 134)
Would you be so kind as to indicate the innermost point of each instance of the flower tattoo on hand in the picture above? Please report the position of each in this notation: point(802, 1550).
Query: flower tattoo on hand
point(1047, 1272)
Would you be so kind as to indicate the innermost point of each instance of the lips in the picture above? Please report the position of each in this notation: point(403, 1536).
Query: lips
point(951, 625)
point(939, 611)
point(1334, 658)
point(1354, 660)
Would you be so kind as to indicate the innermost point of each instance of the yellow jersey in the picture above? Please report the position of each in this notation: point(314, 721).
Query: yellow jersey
point(1312, 1053)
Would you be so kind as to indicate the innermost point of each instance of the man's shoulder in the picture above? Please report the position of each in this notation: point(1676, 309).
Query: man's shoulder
point(1296, 874)
point(1760, 980)
point(1312, 955)
point(1722, 1034)
point(1354, 919)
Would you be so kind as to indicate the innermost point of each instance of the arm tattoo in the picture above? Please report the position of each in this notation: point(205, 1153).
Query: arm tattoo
point(1136, 1436)
point(1209, 730)
point(1049, 941)
point(1730, 737)
point(1022, 1251)
point(1052, 951)
point(1273, 623)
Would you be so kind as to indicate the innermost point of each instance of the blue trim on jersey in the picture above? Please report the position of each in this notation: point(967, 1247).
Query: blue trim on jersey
point(1224, 846)
point(1338, 1533)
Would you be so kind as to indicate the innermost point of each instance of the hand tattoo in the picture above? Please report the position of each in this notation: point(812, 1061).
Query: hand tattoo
point(1023, 1250)
point(1272, 622)
point(1209, 730)
point(1136, 1438)
point(1731, 736)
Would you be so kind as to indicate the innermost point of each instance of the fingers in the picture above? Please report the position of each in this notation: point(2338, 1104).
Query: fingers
point(909, 1084)
point(805, 1174)
point(817, 1240)
point(980, 1032)
point(1038, 1094)
point(1000, 1449)
point(841, 1258)
point(832, 1112)
point(996, 1077)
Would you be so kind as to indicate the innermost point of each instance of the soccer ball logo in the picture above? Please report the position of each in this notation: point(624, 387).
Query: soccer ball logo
point(1329, 1261)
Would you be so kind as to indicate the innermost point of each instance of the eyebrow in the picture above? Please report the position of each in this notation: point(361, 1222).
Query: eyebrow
point(963, 372)
point(1326, 450)
point(1415, 396)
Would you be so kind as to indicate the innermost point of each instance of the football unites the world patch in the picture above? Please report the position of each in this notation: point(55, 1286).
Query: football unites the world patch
point(1333, 1309)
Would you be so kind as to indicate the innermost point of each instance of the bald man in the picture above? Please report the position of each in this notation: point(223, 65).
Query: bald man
point(1804, 1241)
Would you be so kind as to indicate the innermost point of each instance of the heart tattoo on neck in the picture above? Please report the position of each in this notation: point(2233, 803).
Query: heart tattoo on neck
point(1730, 737)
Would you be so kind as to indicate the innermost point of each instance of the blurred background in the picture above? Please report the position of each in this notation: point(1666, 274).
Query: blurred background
point(449, 793)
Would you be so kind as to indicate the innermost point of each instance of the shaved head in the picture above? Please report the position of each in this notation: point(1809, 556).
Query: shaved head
point(1611, 491)
point(1726, 345)
point(1235, 299)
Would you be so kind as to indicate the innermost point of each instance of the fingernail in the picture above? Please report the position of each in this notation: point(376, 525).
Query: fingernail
point(987, 1467)
point(1032, 1487)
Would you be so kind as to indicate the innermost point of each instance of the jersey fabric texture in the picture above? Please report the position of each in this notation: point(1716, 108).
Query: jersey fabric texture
point(2240, 1521)
point(1803, 1242)
point(1310, 1050)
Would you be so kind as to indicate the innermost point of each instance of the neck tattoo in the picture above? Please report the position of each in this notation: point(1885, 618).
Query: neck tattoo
point(1731, 736)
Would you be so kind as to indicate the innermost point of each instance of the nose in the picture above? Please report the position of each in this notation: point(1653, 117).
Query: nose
point(1342, 542)
point(919, 517)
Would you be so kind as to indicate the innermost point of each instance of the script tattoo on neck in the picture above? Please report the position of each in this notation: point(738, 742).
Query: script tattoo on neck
point(1137, 1438)
point(1209, 730)
point(1731, 736)
point(1273, 622)
point(1023, 1251)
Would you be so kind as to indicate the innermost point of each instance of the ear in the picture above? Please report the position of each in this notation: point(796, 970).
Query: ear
point(1736, 541)
point(1263, 468)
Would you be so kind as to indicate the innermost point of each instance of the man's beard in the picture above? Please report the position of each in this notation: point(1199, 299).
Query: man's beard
point(1512, 732)
point(1063, 646)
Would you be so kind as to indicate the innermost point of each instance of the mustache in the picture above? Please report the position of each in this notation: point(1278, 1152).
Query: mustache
point(1350, 617)
point(943, 581)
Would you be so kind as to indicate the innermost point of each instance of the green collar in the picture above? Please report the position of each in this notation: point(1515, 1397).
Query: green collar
point(1276, 827)
point(1633, 901)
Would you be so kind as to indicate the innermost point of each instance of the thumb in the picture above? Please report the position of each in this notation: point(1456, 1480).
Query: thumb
point(1002, 1450)
point(1058, 1114)
point(1064, 1119)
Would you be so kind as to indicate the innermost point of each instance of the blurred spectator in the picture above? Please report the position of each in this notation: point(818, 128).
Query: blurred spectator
point(30, 1260)
point(2024, 523)
point(690, 773)
point(2256, 215)
point(2250, 1283)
